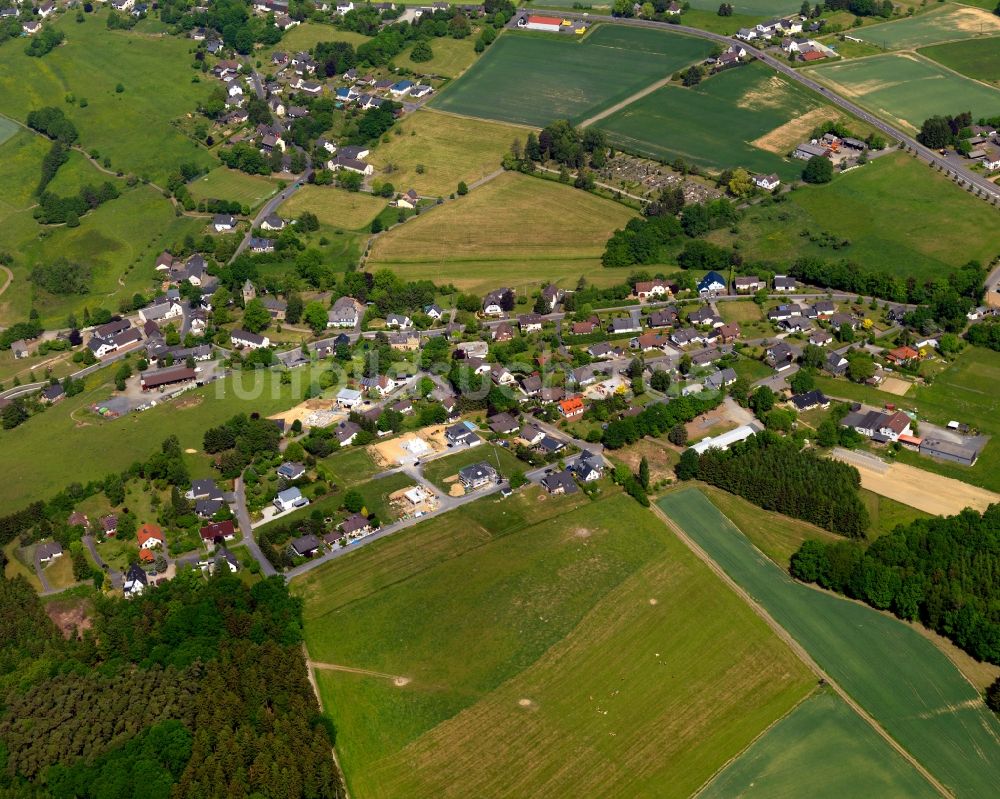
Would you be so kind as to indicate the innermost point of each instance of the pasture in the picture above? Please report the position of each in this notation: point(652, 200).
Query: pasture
point(945, 24)
point(905, 89)
point(515, 230)
point(566, 78)
point(749, 117)
point(892, 671)
point(223, 183)
point(796, 752)
point(338, 208)
point(540, 657)
point(56, 448)
point(975, 58)
point(451, 57)
point(954, 226)
point(446, 148)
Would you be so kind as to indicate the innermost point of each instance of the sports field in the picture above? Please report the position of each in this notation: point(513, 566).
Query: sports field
point(908, 196)
point(541, 658)
point(533, 79)
point(134, 128)
point(513, 231)
point(893, 672)
point(906, 89)
point(747, 117)
point(223, 183)
point(975, 58)
point(796, 752)
point(335, 207)
point(448, 149)
point(949, 23)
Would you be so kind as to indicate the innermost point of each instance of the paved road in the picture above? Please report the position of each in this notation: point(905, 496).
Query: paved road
point(991, 190)
point(243, 517)
point(46, 585)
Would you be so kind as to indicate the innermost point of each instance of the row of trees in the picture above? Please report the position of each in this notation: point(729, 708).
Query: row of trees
point(657, 419)
point(774, 473)
point(939, 571)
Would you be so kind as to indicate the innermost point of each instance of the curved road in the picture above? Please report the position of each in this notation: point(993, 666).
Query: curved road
point(991, 190)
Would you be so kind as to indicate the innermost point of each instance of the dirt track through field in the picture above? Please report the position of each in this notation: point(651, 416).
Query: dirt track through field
point(798, 649)
point(397, 680)
point(926, 491)
point(627, 101)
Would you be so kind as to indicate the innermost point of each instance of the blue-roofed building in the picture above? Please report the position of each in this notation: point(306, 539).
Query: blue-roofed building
point(712, 283)
point(401, 88)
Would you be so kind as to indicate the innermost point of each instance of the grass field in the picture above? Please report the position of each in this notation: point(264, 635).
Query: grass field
point(898, 676)
point(975, 58)
point(47, 453)
point(349, 210)
point(307, 35)
point(886, 514)
point(954, 226)
point(796, 752)
point(439, 470)
point(949, 23)
point(133, 128)
point(542, 659)
point(451, 57)
point(76, 173)
point(8, 128)
point(906, 89)
point(747, 117)
point(223, 183)
point(449, 148)
point(118, 240)
point(754, 8)
point(514, 231)
point(569, 79)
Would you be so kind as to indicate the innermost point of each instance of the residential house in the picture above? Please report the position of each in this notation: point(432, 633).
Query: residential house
point(434, 311)
point(19, 349)
point(721, 379)
point(346, 432)
point(626, 324)
point(705, 316)
point(109, 525)
point(560, 482)
point(135, 581)
point(48, 551)
point(346, 312)
point(785, 283)
point(305, 546)
point(273, 222)
point(399, 321)
point(502, 332)
point(291, 470)
point(664, 317)
point(648, 342)
point(745, 285)
point(809, 400)
point(497, 302)
point(462, 434)
point(355, 526)
point(161, 311)
point(712, 283)
point(276, 308)
point(531, 434)
point(652, 289)
point(835, 364)
point(150, 536)
point(571, 407)
point(290, 499)
point(779, 356)
point(246, 339)
point(213, 534)
point(729, 333)
point(552, 296)
point(820, 338)
point(586, 327)
point(503, 424)
point(767, 182)
point(589, 466)
point(478, 475)
point(53, 393)
point(530, 323)
point(902, 355)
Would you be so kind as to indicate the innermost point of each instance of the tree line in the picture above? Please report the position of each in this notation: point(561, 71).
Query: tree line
point(775, 474)
point(942, 572)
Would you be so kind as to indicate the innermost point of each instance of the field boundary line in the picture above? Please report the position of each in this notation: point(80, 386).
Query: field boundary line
point(311, 676)
point(921, 57)
point(472, 118)
point(798, 649)
point(652, 87)
point(705, 785)
point(10, 278)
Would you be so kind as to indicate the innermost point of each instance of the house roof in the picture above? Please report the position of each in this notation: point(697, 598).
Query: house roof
point(148, 531)
point(218, 530)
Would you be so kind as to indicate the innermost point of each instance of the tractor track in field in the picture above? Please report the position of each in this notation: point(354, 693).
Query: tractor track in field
point(799, 650)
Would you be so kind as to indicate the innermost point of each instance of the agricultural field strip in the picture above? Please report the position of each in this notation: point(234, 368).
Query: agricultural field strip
point(930, 707)
point(795, 646)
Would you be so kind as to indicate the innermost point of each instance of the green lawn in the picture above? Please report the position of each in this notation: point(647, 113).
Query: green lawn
point(963, 392)
point(67, 443)
point(897, 675)
point(721, 123)
point(975, 58)
point(335, 207)
point(77, 172)
point(376, 494)
point(541, 659)
point(350, 466)
point(134, 128)
point(899, 216)
point(947, 23)
point(451, 57)
point(8, 127)
point(886, 514)
point(437, 471)
point(230, 184)
point(796, 752)
point(307, 35)
point(566, 78)
point(906, 89)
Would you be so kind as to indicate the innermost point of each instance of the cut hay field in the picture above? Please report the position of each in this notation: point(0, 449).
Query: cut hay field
point(134, 128)
point(532, 79)
point(796, 752)
point(449, 148)
point(976, 58)
point(749, 117)
point(946, 24)
point(515, 230)
point(451, 57)
point(223, 183)
point(581, 650)
point(877, 208)
point(893, 672)
point(905, 89)
point(335, 207)
point(56, 448)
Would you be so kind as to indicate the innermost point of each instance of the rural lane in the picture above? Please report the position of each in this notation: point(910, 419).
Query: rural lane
point(934, 159)
point(243, 517)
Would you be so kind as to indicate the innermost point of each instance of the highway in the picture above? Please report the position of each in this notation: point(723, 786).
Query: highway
point(984, 186)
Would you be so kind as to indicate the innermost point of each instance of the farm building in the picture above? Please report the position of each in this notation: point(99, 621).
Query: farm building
point(965, 454)
point(725, 440)
point(534, 22)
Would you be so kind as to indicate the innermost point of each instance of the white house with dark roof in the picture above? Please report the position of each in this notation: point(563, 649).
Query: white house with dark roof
point(248, 340)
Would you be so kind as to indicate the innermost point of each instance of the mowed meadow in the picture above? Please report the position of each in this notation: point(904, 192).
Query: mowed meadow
point(898, 676)
point(748, 116)
point(906, 89)
point(578, 645)
point(532, 79)
point(515, 231)
point(950, 22)
point(134, 128)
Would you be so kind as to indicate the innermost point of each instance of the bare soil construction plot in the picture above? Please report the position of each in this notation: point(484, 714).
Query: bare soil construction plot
point(312, 413)
point(409, 446)
point(925, 491)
